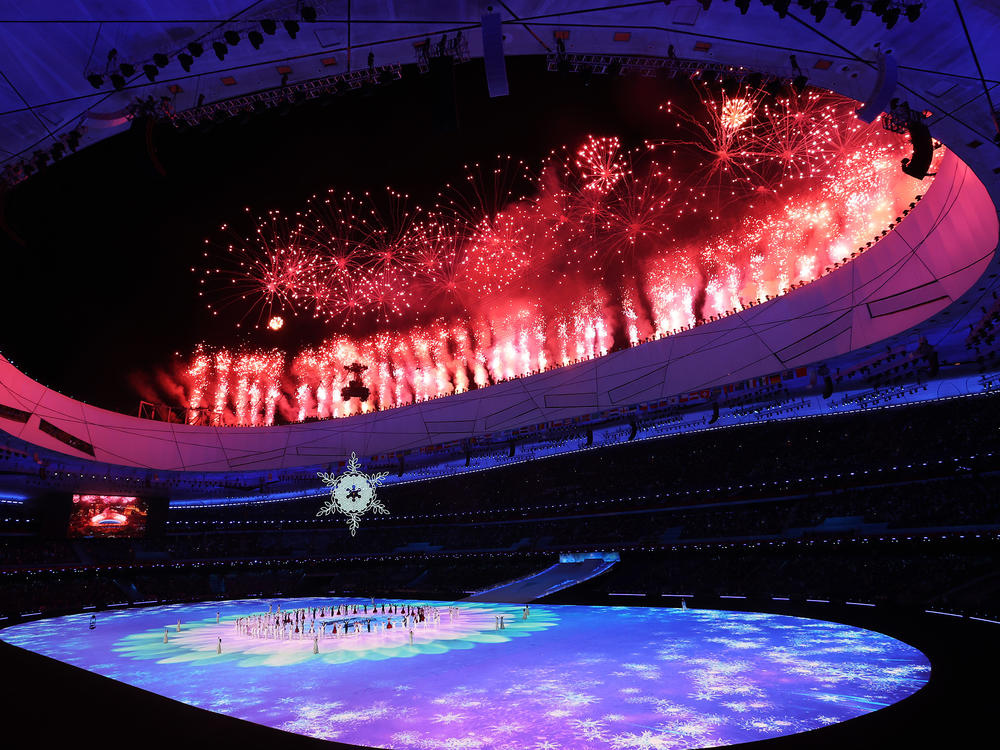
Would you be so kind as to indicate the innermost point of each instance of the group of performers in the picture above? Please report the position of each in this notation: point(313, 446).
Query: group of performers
point(339, 620)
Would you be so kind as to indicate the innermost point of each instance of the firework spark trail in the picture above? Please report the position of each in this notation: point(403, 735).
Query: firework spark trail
point(602, 247)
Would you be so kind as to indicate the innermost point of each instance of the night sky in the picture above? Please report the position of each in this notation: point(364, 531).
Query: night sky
point(99, 248)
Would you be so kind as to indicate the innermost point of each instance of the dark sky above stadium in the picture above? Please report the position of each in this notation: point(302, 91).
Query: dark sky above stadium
point(101, 245)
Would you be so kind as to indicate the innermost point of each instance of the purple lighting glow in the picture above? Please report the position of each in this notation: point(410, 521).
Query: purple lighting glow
point(565, 677)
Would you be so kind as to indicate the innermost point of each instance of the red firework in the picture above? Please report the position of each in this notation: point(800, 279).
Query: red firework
point(515, 271)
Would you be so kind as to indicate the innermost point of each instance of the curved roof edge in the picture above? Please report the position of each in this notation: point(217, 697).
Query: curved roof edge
point(931, 259)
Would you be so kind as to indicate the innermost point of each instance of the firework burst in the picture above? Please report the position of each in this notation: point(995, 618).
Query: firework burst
point(511, 271)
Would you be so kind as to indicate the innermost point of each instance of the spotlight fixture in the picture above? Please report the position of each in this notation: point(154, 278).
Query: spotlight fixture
point(232, 38)
point(118, 81)
point(890, 17)
point(195, 48)
point(292, 27)
point(160, 60)
point(186, 61)
point(806, 4)
point(853, 14)
point(879, 7)
point(743, 5)
point(220, 50)
point(151, 72)
point(799, 83)
point(308, 12)
point(842, 5)
point(256, 39)
point(95, 80)
point(705, 4)
point(913, 12)
point(269, 26)
point(818, 10)
point(127, 69)
point(781, 7)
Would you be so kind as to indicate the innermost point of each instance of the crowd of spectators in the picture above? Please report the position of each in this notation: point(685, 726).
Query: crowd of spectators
point(923, 573)
point(929, 467)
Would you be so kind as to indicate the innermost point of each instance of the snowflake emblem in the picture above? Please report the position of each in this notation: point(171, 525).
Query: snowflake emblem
point(352, 493)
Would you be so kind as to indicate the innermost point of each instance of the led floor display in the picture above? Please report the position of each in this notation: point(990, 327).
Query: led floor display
point(565, 677)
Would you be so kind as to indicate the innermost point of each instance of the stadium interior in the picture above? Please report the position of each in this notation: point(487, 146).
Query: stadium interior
point(827, 450)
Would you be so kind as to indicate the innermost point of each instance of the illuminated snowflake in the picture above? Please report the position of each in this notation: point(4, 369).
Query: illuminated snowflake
point(449, 718)
point(590, 729)
point(352, 493)
point(506, 728)
point(577, 699)
point(644, 741)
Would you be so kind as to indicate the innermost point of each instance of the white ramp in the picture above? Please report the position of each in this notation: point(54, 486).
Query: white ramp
point(569, 571)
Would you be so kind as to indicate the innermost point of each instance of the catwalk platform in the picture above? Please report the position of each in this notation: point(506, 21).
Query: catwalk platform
point(565, 677)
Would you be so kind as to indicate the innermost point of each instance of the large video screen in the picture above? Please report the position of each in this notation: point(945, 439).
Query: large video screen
point(107, 515)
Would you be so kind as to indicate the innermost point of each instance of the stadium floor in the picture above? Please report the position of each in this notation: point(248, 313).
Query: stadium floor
point(567, 676)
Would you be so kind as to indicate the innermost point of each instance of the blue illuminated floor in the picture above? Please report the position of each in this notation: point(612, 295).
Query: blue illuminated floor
point(568, 677)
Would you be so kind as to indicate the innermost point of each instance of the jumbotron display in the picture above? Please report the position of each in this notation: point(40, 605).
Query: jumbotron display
point(107, 515)
point(518, 268)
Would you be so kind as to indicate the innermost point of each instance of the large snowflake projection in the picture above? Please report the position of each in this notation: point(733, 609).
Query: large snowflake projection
point(352, 493)
point(566, 677)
